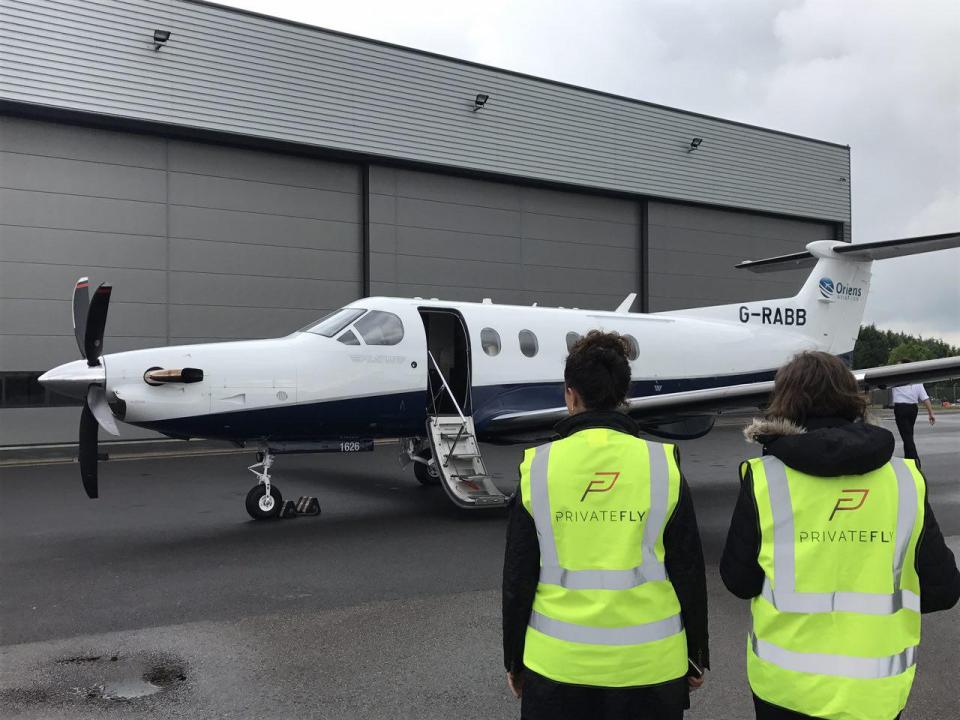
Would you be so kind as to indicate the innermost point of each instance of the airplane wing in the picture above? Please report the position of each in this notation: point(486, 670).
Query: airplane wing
point(730, 397)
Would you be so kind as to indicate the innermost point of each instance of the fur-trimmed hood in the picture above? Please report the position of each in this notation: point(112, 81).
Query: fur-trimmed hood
point(825, 447)
point(762, 429)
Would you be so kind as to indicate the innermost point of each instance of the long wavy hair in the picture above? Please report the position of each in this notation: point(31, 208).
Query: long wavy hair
point(816, 384)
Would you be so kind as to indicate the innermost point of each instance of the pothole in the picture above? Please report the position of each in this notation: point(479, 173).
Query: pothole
point(100, 678)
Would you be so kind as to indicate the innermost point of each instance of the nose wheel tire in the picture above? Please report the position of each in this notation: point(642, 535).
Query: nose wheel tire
point(426, 474)
point(262, 506)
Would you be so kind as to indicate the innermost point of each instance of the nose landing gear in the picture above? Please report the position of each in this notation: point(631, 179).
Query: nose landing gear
point(264, 500)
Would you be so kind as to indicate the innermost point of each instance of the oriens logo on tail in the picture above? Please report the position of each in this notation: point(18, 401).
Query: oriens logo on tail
point(826, 288)
point(838, 291)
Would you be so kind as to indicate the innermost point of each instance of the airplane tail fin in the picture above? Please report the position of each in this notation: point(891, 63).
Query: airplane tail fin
point(829, 307)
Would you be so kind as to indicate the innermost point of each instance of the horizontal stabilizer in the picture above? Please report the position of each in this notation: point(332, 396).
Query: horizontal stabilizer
point(861, 252)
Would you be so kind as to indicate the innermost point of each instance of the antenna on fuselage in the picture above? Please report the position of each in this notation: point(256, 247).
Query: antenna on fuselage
point(626, 304)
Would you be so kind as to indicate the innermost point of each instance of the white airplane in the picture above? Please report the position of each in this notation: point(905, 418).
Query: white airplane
point(442, 376)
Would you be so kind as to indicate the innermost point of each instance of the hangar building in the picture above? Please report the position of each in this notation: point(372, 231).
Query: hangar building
point(249, 174)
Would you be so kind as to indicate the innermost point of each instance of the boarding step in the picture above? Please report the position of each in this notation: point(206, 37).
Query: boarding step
point(460, 464)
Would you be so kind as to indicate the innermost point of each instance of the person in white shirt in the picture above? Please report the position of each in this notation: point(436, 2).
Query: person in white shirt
point(905, 400)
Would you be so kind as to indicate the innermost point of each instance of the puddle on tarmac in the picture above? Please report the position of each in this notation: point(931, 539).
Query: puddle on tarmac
point(99, 678)
point(128, 689)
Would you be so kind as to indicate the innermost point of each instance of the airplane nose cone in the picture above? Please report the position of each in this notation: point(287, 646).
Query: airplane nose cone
point(74, 378)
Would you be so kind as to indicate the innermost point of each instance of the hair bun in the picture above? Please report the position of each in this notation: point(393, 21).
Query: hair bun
point(598, 368)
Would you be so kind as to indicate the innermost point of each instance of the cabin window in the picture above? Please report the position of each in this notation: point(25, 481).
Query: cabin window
point(490, 341)
point(572, 339)
point(633, 347)
point(528, 343)
point(380, 328)
point(348, 338)
point(330, 325)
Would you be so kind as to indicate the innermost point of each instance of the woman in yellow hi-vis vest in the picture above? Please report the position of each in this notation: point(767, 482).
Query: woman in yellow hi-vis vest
point(604, 592)
point(835, 543)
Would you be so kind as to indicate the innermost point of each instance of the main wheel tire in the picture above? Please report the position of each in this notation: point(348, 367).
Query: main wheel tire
point(262, 507)
point(426, 474)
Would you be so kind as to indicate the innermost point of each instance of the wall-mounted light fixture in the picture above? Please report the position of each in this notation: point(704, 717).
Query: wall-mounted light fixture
point(694, 144)
point(480, 101)
point(160, 37)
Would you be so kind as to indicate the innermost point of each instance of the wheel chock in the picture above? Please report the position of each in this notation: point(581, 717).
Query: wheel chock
point(289, 510)
point(307, 505)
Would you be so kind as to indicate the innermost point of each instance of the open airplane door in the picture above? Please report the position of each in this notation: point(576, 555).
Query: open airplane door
point(456, 460)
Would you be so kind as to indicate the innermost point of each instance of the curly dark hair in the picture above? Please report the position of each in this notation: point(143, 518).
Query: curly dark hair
point(598, 369)
point(816, 384)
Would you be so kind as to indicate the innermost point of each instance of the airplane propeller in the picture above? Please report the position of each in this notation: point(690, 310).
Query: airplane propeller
point(89, 322)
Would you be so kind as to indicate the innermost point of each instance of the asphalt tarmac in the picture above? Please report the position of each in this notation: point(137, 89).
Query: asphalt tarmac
point(163, 600)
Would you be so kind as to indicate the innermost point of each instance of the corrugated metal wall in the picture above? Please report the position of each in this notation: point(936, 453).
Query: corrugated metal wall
point(693, 251)
point(227, 71)
point(200, 242)
point(464, 239)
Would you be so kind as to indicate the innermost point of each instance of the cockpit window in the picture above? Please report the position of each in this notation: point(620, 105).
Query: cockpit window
point(380, 328)
point(331, 324)
point(348, 338)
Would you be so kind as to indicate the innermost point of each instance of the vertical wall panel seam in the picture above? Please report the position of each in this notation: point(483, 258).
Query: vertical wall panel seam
point(365, 230)
point(643, 257)
point(166, 230)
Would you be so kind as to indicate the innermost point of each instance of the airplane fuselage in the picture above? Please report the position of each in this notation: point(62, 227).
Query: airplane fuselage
point(310, 387)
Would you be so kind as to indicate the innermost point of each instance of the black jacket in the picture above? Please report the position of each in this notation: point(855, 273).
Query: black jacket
point(829, 447)
point(684, 558)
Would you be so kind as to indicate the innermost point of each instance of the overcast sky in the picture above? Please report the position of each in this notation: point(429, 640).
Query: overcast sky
point(882, 76)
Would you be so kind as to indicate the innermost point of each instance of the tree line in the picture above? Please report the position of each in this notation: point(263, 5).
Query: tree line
point(876, 347)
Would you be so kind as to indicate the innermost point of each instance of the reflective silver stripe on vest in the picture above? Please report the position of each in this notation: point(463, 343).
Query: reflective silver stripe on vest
point(906, 517)
point(657, 515)
point(629, 635)
point(864, 603)
point(836, 665)
point(551, 573)
point(785, 598)
point(601, 579)
point(540, 500)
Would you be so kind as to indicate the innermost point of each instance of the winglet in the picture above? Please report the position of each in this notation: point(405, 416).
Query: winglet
point(626, 304)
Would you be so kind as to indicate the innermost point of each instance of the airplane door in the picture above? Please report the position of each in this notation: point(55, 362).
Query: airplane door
point(449, 343)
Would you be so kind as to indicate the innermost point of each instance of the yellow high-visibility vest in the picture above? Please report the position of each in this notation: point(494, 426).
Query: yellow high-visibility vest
point(605, 612)
point(837, 625)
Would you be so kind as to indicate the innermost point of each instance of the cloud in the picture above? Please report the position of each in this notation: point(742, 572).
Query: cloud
point(879, 75)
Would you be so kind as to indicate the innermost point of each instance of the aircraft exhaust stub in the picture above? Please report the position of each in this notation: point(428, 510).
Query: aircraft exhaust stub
point(159, 376)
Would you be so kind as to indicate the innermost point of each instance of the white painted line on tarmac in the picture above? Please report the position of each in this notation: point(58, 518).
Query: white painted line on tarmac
point(31, 462)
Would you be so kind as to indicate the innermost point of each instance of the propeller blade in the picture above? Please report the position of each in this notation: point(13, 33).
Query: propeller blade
point(97, 402)
point(81, 301)
point(96, 322)
point(89, 428)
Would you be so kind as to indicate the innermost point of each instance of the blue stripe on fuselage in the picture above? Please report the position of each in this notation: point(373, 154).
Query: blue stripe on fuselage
point(402, 414)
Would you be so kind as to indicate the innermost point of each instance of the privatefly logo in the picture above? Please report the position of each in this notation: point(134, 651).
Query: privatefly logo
point(850, 500)
point(838, 291)
point(603, 482)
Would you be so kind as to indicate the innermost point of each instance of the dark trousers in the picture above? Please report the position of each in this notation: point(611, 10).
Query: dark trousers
point(545, 699)
point(906, 416)
point(766, 711)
